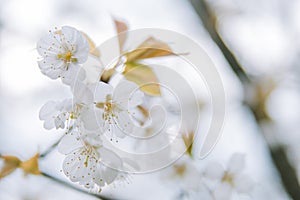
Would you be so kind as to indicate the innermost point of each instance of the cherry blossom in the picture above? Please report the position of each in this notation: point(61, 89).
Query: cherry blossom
point(185, 173)
point(62, 51)
point(55, 113)
point(87, 161)
point(114, 106)
point(230, 179)
point(77, 110)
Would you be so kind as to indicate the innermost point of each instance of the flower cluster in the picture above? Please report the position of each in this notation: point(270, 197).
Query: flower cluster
point(213, 181)
point(96, 111)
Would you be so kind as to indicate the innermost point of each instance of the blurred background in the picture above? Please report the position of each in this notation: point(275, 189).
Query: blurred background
point(253, 43)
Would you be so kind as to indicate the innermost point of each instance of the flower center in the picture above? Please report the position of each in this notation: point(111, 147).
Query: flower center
point(180, 169)
point(108, 106)
point(227, 177)
point(67, 57)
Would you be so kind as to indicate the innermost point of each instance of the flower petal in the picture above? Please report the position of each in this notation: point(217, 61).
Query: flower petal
point(49, 124)
point(82, 93)
point(214, 171)
point(110, 159)
point(223, 192)
point(69, 143)
point(73, 73)
point(243, 183)
point(47, 110)
point(236, 163)
point(124, 124)
point(101, 92)
point(127, 94)
point(89, 119)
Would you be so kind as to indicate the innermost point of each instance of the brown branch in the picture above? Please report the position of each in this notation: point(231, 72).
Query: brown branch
point(50, 149)
point(209, 22)
point(278, 153)
point(57, 180)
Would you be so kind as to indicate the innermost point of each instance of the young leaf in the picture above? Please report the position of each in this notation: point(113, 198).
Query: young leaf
point(93, 49)
point(31, 166)
point(121, 27)
point(188, 140)
point(150, 48)
point(143, 76)
point(10, 164)
point(107, 74)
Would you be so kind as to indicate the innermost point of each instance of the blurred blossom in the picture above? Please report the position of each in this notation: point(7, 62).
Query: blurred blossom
point(230, 179)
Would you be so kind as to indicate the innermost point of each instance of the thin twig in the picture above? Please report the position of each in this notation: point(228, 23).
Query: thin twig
point(278, 153)
point(57, 180)
point(50, 149)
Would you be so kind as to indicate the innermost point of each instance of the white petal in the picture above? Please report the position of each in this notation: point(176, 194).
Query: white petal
point(82, 93)
point(69, 143)
point(108, 166)
point(60, 122)
point(124, 123)
point(127, 94)
point(136, 99)
point(117, 132)
point(50, 63)
point(93, 70)
point(93, 138)
point(45, 42)
point(49, 124)
point(73, 73)
point(243, 183)
point(87, 170)
point(89, 119)
point(109, 158)
point(100, 121)
point(110, 175)
point(47, 110)
point(67, 105)
point(222, 191)
point(70, 166)
point(236, 163)
point(98, 177)
point(214, 171)
point(101, 92)
point(73, 36)
point(69, 33)
point(48, 71)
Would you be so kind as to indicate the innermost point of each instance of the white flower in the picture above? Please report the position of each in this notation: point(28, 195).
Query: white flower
point(62, 51)
point(55, 113)
point(185, 174)
point(114, 106)
point(79, 110)
point(83, 112)
point(87, 161)
point(230, 179)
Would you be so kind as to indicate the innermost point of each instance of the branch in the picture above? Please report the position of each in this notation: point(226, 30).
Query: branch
point(209, 22)
point(278, 153)
point(57, 180)
point(50, 149)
